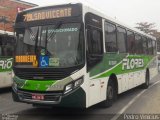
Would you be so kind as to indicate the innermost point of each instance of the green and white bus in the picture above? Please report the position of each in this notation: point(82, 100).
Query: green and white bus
point(7, 41)
point(71, 55)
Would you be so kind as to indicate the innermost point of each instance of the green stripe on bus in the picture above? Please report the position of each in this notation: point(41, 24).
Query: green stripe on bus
point(6, 64)
point(118, 69)
point(108, 62)
point(37, 85)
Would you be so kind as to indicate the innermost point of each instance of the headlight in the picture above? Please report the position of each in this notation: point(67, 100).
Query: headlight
point(68, 88)
point(78, 82)
point(73, 85)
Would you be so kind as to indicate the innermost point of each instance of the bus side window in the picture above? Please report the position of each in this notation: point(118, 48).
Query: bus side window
point(154, 47)
point(150, 46)
point(8, 46)
point(0, 47)
point(121, 39)
point(145, 46)
point(138, 44)
point(130, 42)
point(94, 41)
point(110, 37)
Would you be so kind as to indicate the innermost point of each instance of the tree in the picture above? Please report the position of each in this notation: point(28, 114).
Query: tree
point(148, 28)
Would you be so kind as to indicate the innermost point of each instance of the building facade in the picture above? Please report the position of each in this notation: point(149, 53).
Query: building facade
point(8, 11)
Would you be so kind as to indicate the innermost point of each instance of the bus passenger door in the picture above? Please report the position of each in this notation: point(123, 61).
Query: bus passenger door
point(94, 57)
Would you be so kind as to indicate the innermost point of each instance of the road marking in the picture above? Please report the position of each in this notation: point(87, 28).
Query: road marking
point(131, 102)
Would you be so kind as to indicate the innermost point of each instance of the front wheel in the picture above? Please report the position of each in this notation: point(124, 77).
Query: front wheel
point(111, 94)
point(15, 96)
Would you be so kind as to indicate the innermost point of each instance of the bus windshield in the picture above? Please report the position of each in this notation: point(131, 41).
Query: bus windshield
point(63, 43)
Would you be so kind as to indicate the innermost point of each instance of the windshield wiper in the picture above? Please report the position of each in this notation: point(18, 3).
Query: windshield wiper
point(46, 39)
point(53, 34)
point(36, 40)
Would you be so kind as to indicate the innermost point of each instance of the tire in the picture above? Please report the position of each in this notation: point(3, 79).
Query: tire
point(15, 96)
point(147, 80)
point(111, 95)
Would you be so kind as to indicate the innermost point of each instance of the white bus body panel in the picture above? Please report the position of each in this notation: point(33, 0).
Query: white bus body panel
point(5, 79)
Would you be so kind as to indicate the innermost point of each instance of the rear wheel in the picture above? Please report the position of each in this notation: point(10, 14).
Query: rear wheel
point(111, 94)
point(147, 79)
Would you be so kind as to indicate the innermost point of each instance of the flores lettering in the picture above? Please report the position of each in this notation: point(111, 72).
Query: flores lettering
point(132, 63)
point(6, 64)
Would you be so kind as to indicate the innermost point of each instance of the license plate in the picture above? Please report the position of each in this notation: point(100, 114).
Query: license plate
point(37, 97)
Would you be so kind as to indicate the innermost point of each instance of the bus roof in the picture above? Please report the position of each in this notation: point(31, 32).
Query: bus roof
point(103, 15)
point(97, 12)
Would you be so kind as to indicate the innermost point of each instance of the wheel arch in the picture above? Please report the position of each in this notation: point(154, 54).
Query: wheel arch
point(147, 71)
point(114, 79)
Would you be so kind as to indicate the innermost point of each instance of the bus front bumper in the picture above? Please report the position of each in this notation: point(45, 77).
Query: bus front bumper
point(76, 97)
point(23, 96)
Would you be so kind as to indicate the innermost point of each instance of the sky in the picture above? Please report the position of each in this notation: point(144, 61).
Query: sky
point(129, 12)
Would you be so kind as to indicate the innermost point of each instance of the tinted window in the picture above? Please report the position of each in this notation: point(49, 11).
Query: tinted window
point(6, 46)
point(154, 47)
point(145, 45)
point(0, 47)
point(158, 45)
point(110, 37)
point(138, 44)
point(150, 47)
point(130, 42)
point(94, 41)
point(121, 39)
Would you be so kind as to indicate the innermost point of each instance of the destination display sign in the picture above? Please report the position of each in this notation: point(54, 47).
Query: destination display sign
point(51, 12)
point(25, 59)
point(48, 14)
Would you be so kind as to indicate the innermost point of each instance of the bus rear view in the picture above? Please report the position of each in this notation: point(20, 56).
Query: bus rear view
point(49, 58)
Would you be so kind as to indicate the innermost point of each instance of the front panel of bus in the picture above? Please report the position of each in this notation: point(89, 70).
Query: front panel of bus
point(50, 56)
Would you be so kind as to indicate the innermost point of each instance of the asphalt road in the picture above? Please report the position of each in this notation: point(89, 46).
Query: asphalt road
point(130, 105)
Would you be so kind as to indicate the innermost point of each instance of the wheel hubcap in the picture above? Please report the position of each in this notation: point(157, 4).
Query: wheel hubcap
point(110, 92)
